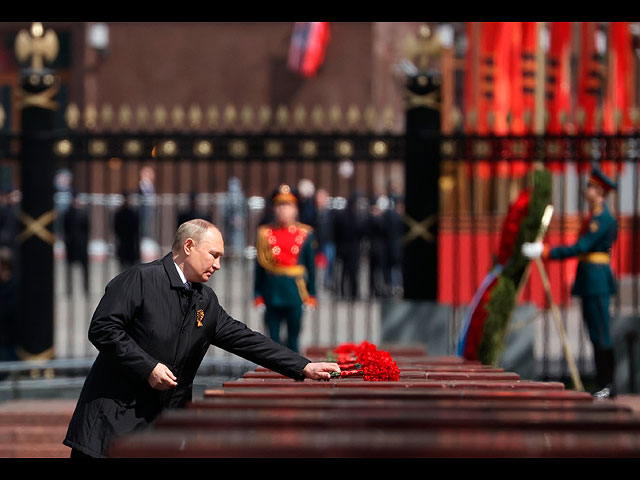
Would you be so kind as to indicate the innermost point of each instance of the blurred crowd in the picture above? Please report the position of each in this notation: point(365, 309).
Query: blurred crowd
point(349, 231)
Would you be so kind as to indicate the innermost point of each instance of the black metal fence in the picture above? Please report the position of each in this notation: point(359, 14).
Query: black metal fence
point(480, 176)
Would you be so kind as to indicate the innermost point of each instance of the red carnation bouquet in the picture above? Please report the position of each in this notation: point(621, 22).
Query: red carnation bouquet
point(365, 359)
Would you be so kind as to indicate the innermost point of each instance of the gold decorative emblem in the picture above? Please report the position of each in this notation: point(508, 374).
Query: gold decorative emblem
point(199, 317)
point(593, 226)
point(38, 226)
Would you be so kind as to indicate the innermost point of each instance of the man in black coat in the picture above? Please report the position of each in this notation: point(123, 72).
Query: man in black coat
point(126, 226)
point(152, 328)
point(76, 240)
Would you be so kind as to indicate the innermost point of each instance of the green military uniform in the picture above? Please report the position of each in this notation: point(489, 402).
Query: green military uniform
point(594, 282)
point(285, 277)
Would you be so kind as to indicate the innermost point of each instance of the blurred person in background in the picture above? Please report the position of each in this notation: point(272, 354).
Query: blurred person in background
point(394, 227)
point(235, 216)
point(9, 223)
point(192, 211)
point(326, 254)
point(307, 211)
point(285, 268)
point(349, 230)
point(126, 226)
point(147, 190)
point(76, 241)
point(379, 255)
point(152, 328)
point(9, 296)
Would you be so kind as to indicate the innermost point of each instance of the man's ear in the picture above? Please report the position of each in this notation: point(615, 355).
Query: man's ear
point(188, 245)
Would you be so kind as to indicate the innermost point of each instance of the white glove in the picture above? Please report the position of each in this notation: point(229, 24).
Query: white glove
point(532, 250)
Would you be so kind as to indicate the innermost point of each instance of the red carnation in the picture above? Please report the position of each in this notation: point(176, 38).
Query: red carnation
point(374, 364)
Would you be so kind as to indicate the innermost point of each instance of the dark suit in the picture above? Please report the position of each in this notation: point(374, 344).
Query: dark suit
point(76, 239)
point(126, 223)
point(147, 316)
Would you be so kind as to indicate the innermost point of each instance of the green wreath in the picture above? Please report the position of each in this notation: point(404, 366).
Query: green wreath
point(503, 297)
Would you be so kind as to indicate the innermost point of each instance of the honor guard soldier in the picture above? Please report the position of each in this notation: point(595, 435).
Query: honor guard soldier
point(594, 282)
point(285, 268)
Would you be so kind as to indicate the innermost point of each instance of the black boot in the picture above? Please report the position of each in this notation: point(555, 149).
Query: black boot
point(598, 366)
point(605, 375)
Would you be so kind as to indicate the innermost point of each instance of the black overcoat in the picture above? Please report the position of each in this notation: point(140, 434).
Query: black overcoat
point(141, 320)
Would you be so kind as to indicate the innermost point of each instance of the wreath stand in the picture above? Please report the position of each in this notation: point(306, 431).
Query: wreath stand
point(544, 225)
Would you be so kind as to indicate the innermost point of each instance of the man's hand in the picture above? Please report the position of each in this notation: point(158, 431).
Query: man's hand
point(161, 378)
point(320, 370)
point(532, 250)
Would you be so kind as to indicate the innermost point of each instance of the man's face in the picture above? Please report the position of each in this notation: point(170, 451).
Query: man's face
point(203, 260)
point(285, 213)
point(592, 193)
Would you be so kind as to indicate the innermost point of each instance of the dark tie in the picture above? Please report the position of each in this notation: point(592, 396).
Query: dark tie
point(187, 285)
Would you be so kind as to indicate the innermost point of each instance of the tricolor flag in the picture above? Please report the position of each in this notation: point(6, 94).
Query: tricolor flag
point(308, 46)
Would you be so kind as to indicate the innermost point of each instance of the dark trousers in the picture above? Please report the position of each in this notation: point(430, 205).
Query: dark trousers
point(595, 312)
point(292, 315)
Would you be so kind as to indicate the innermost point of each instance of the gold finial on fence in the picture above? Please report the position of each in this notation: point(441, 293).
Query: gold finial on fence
point(142, 116)
point(456, 118)
point(388, 117)
point(527, 117)
point(132, 148)
point(264, 116)
point(97, 147)
point(178, 116)
point(580, 117)
point(246, 116)
point(203, 148)
point(378, 149)
point(617, 118)
point(160, 116)
point(195, 116)
point(335, 116)
point(370, 117)
point(599, 118)
point(344, 148)
point(106, 115)
point(229, 116)
point(282, 116)
point(634, 114)
point(213, 117)
point(125, 116)
point(308, 148)
point(299, 116)
point(353, 116)
point(63, 148)
point(238, 148)
point(491, 118)
point(472, 118)
point(90, 117)
point(37, 45)
point(168, 148)
point(2, 116)
point(72, 116)
point(273, 148)
point(317, 117)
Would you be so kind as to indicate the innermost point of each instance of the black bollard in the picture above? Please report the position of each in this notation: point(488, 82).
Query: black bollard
point(35, 315)
point(422, 171)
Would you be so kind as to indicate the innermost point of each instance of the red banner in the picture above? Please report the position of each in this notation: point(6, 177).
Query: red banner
point(591, 77)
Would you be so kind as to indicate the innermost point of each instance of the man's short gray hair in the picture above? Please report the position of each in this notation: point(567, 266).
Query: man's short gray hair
point(194, 229)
